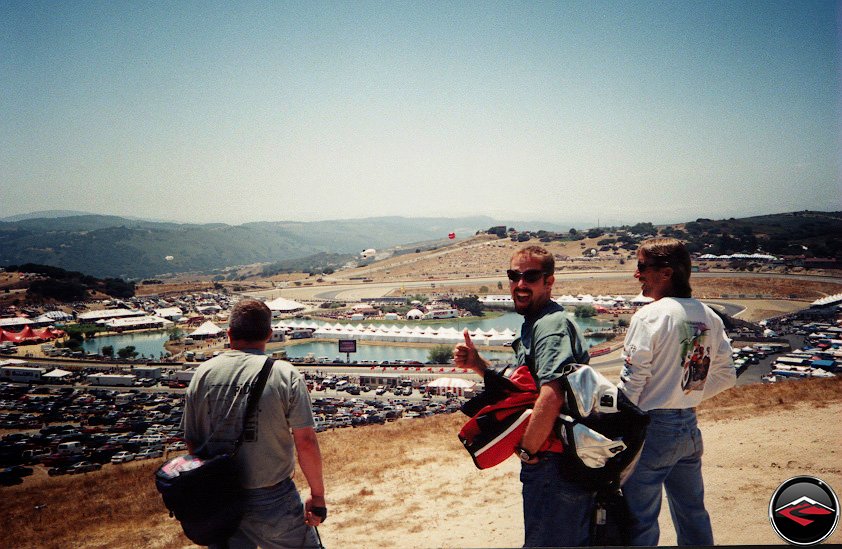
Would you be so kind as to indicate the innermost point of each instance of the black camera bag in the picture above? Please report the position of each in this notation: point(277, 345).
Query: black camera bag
point(204, 493)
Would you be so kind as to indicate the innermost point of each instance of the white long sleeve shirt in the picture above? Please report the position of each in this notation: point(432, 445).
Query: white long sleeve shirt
point(676, 355)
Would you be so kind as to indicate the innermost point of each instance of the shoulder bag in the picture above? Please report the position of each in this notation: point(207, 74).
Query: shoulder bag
point(204, 492)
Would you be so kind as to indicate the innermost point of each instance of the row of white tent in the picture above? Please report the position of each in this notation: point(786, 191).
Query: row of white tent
point(571, 301)
point(408, 334)
point(759, 257)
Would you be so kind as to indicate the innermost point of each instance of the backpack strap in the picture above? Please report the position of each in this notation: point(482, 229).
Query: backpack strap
point(254, 397)
point(572, 333)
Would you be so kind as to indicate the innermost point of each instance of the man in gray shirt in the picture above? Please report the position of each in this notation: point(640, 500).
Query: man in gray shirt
point(215, 405)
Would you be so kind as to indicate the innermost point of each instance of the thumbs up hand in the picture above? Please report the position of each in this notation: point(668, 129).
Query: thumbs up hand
point(465, 355)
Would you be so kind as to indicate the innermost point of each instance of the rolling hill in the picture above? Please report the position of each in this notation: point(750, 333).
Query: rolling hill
point(111, 246)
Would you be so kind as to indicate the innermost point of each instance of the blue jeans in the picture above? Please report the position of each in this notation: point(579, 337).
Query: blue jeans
point(274, 519)
point(556, 512)
point(672, 459)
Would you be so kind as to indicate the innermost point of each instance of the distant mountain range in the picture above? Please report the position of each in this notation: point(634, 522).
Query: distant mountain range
point(111, 246)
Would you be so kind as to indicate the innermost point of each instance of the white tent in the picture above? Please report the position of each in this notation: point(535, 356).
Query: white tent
point(283, 305)
point(450, 385)
point(414, 314)
point(57, 374)
point(208, 329)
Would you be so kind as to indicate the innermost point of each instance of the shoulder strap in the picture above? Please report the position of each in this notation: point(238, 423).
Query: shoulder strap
point(530, 357)
point(254, 397)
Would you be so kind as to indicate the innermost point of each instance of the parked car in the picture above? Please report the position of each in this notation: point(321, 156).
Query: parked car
point(83, 467)
point(122, 457)
point(10, 476)
point(57, 471)
point(149, 453)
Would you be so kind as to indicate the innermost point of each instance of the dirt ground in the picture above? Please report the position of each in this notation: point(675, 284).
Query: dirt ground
point(440, 500)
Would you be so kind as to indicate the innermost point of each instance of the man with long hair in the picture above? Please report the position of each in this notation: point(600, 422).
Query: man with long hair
point(676, 354)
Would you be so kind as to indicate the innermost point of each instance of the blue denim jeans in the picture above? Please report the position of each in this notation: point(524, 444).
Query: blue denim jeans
point(671, 459)
point(556, 512)
point(274, 519)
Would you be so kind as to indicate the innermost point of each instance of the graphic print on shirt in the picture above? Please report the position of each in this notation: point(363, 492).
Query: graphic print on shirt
point(695, 356)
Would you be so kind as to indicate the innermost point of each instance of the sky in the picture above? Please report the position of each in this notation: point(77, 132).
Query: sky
point(586, 112)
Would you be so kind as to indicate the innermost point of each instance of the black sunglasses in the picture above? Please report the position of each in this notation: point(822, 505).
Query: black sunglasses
point(530, 276)
point(641, 267)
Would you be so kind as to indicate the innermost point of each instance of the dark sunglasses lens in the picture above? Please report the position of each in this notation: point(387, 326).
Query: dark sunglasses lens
point(532, 276)
point(529, 276)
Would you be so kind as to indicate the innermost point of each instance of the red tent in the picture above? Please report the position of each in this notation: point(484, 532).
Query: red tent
point(48, 333)
point(9, 336)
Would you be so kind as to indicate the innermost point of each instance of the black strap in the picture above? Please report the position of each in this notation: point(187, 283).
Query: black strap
point(254, 398)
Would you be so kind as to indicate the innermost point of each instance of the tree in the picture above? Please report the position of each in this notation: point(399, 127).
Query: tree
point(419, 297)
point(127, 352)
point(108, 350)
point(440, 354)
point(74, 342)
point(585, 311)
point(471, 304)
point(175, 333)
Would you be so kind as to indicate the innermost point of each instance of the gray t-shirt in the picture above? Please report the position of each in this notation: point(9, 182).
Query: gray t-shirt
point(550, 344)
point(215, 404)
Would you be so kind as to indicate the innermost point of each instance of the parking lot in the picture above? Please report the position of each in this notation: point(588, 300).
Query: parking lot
point(66, 430)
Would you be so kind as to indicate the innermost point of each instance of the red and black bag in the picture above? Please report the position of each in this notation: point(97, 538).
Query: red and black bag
point(499, 416)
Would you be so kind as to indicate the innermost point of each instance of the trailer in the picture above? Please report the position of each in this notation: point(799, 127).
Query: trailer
point(147, 372)
point(183, 375)
point(21, 374)
point(111, 380)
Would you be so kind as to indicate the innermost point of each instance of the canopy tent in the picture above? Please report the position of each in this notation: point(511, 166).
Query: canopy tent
point(450, 385)
point(57, 374)
point(208, 329)
point(28, 335)
point(283, 305)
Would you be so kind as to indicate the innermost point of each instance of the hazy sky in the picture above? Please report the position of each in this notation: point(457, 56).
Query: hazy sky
point(558, 111)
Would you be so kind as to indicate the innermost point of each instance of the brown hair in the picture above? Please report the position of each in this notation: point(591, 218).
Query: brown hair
point(250, 320)
point(670, 252)
point(541, 254)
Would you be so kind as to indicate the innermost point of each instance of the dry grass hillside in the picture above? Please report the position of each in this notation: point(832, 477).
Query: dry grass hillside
point(410, 483)
point(488, 256)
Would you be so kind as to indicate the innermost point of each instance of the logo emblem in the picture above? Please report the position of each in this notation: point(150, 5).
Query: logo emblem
point(804, 511)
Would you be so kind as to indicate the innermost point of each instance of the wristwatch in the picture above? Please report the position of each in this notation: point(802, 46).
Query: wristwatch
point(320, 512)
point(524, 455)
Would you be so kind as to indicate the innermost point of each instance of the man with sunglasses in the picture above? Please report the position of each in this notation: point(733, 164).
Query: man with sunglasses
point(676, 354)
point(556, 511)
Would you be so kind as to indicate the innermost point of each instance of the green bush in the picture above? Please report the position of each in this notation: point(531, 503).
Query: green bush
point(440, 354)
point(585, 311)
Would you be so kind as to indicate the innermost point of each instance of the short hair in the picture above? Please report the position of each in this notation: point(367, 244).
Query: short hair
point(541, 254)
point(670, 252)
point(250, 320)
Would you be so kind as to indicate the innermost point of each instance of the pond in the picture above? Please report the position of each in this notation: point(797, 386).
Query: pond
point(151, 344)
